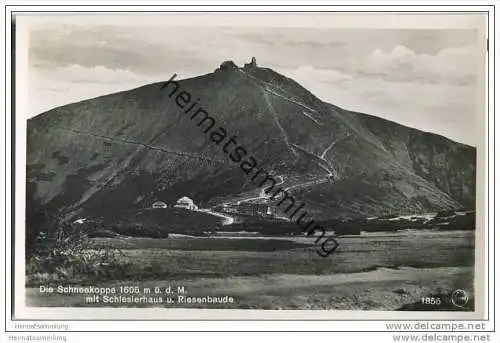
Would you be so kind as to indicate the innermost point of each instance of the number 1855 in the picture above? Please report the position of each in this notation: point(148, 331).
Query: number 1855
point(431, 301)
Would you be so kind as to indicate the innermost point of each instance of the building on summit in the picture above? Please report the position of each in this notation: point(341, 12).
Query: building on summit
point(249, 209)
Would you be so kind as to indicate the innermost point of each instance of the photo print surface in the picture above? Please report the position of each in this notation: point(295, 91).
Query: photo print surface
point(216, 161)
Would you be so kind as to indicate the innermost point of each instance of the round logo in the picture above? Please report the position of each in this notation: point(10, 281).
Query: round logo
point(459, 298)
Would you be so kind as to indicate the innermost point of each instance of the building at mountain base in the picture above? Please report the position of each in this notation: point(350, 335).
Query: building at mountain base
point(248, 209)
point(186, 203)
point(159, 204)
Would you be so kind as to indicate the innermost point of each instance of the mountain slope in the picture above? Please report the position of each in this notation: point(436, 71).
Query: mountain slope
point(125, 150)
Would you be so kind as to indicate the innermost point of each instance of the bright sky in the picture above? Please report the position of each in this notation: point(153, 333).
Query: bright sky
point(424, 78)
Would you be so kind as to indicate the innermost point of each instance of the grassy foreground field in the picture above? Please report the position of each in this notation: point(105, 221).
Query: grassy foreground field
point(367, 272)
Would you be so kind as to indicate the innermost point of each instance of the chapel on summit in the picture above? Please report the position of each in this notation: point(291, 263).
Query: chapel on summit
point(159, 204)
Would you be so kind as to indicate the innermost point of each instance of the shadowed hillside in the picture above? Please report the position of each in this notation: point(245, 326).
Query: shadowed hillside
point(122, 151)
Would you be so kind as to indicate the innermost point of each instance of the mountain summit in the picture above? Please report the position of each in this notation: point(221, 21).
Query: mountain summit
point(129, 149)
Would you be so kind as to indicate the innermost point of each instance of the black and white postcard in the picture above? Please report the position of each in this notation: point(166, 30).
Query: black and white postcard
point(298, 164)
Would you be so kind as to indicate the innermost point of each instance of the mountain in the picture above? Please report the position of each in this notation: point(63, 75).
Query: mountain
point(123, 151)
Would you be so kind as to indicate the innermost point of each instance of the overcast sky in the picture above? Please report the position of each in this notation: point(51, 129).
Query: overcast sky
point(424, 78)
